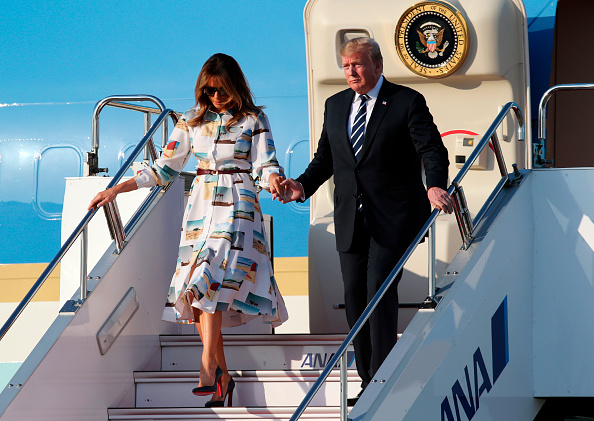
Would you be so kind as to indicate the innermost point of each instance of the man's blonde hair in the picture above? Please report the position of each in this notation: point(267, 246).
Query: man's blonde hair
point(363, 44)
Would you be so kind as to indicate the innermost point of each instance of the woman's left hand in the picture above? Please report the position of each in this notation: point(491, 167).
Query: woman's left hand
point(276, 188)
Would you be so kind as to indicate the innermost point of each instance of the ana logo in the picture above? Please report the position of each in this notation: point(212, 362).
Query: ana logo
point(481, 381)
point(318, 360)
point(432, 39)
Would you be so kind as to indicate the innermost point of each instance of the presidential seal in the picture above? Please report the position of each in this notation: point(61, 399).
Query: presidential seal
point(432, 39)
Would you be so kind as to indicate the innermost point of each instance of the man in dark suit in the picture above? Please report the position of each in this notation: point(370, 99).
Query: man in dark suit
point(375, 137)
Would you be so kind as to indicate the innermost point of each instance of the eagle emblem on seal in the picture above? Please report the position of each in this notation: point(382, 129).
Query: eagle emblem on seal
point(431, 36)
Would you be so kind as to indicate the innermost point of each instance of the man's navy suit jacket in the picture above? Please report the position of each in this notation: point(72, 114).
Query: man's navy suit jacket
point(387, 178)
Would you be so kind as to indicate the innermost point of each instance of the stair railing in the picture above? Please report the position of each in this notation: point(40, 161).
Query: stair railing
point(466, 226)
point(539, 147)
point(92, 165)
point(114, 222)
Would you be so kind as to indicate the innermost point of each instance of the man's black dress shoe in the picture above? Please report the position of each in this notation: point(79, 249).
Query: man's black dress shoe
point(353, 401)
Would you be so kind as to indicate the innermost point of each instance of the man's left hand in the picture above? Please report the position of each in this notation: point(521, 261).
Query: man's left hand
point(440, 199)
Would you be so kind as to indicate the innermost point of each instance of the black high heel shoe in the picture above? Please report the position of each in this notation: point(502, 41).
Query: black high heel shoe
point(228, 395)
point(209, 390)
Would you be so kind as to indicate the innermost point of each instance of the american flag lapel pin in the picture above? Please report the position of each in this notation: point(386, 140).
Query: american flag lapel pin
point(384, 102)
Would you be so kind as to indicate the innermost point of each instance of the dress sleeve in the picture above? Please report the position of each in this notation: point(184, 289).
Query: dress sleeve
point(263, 152)
point(173, 160)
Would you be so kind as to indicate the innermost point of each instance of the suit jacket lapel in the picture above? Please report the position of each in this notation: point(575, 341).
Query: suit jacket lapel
point(379, 110)
point(345, 112)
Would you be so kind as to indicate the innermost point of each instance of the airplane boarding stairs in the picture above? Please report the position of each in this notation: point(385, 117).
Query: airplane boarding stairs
point(512, 329)
point(514, 324)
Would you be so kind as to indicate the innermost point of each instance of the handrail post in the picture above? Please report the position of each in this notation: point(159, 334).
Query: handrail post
point(539, 147)
point(150, 146)
point(83, 264)
point(499, 156)
point(458, 214)
point(115, 226)
point(344, 386)
point(164, 134)
point(147, 126)
point(462, 215)
point(431, 258)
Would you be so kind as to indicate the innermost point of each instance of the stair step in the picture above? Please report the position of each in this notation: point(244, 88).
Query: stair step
point(252, 388)
point(236, 413)
point(255, 352)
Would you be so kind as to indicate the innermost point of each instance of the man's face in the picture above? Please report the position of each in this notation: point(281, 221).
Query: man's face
point(360, 72)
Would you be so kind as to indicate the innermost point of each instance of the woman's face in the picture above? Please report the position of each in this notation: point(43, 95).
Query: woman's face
point(220, 100)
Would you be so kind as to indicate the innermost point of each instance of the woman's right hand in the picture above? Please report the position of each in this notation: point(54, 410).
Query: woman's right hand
point(103, 198)
point(106, 196)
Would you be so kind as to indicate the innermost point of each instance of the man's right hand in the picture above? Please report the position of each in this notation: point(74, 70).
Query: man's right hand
point(293, 190)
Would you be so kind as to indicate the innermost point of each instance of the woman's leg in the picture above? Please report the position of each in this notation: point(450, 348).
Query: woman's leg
point(210, 325)
point(209, 329)
point(220, 358)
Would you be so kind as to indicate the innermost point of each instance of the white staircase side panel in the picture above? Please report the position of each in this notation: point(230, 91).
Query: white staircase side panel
point(475, 349)
point(564, 283)
point(15, 347)
point(69, 379)
point(252, 389)
point(78, 194)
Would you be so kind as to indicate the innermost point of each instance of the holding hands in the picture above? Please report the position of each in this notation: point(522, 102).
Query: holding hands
point(293, 190)
point(285, 190)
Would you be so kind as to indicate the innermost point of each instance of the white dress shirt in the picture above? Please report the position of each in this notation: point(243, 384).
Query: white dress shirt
point(370, 104)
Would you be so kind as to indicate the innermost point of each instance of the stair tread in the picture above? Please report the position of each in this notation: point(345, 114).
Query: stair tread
point(278, 412)
point(166, 389)
point(234, 409)
point(242, 375)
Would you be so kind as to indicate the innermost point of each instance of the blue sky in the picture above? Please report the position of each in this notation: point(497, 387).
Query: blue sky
point(67, 50)
point(59, 57)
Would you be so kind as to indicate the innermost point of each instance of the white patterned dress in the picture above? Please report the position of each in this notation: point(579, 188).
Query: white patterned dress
point(223, 254)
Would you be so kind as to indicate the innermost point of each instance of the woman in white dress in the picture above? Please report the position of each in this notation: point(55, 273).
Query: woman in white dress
point(223, 275)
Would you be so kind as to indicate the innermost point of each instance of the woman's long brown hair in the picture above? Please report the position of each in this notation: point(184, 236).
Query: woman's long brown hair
point(227, 73)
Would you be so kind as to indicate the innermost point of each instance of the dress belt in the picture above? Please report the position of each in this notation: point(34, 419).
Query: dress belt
point(217, 172)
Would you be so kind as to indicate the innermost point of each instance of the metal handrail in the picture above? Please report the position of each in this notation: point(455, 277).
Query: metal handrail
point(465, 224)
point(136, 107)
point(92, 164)
point(114, 102)
point(82, 226)
point(340, 354)
point(539, 147)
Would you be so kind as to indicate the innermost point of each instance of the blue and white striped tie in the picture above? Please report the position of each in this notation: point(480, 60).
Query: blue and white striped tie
point(358, 131)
